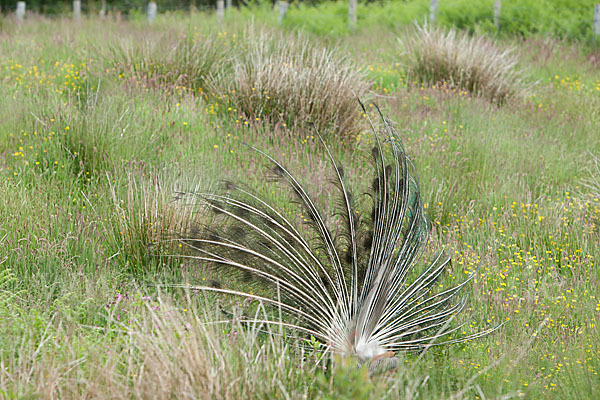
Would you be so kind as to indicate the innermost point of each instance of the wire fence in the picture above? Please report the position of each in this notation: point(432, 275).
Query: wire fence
point(509, 16)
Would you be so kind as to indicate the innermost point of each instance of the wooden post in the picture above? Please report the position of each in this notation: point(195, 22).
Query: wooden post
point(77, 9)
point(103, 9)
point(433, 9)
point(20, 10)
point(228, 4)
point(283, 7)
point(597, 19)
point(497, 7)
point(352, 14)
point(152, 9)
point(220, 9)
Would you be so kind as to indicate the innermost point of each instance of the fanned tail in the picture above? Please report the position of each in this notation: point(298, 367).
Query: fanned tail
point(362, 294)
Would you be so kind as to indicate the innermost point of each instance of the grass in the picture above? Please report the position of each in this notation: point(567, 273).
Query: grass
point(461, 62)
point(570, 19)
point(247, 75)
point(287, 79)
point(169, 61)
point(89, 158)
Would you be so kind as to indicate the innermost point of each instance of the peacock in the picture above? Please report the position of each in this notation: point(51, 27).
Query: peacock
point(360, 287)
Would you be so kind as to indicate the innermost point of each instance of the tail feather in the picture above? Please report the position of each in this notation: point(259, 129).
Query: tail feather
point(361, 291)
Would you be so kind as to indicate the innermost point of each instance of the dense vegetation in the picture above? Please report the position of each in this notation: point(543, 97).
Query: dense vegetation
point(558, 18)
point(104, 124)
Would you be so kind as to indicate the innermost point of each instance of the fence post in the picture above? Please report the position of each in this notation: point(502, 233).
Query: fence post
point(433, 9)
point(283, 7)
point(77, 9)
point(103, 9)
point(20, 10)
point(352, 14)
point(152, 9)
point(220, 9)
point(497, 7)
point(228, 4)
point(597, 19)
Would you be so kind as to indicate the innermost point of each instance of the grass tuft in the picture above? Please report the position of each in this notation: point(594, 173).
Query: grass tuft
point(169, 62)
point(456, 59)
point(287, 79)
point(151, 216)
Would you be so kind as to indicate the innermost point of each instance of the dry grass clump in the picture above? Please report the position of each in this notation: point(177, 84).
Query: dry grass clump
point(289, 80)
point(474, 64)
point(171, 62)
point(187, 358)
point(164, 352)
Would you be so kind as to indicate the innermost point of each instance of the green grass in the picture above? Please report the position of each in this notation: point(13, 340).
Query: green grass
point(570, 19)
point(91, 159)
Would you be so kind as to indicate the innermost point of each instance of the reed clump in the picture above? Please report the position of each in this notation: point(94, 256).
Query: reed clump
point(471, 63)
point(287, 79)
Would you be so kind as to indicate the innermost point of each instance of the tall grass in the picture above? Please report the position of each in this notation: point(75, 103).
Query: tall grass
point(456, 59)
point(289, 80)
point(165, 351)
point(169, 61)
point(592, 181)
point(151, 216)
point(503, 186)
point(258, 75)
point(160, 352)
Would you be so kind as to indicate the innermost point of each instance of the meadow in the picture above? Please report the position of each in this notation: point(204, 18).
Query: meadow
point(107, 126)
